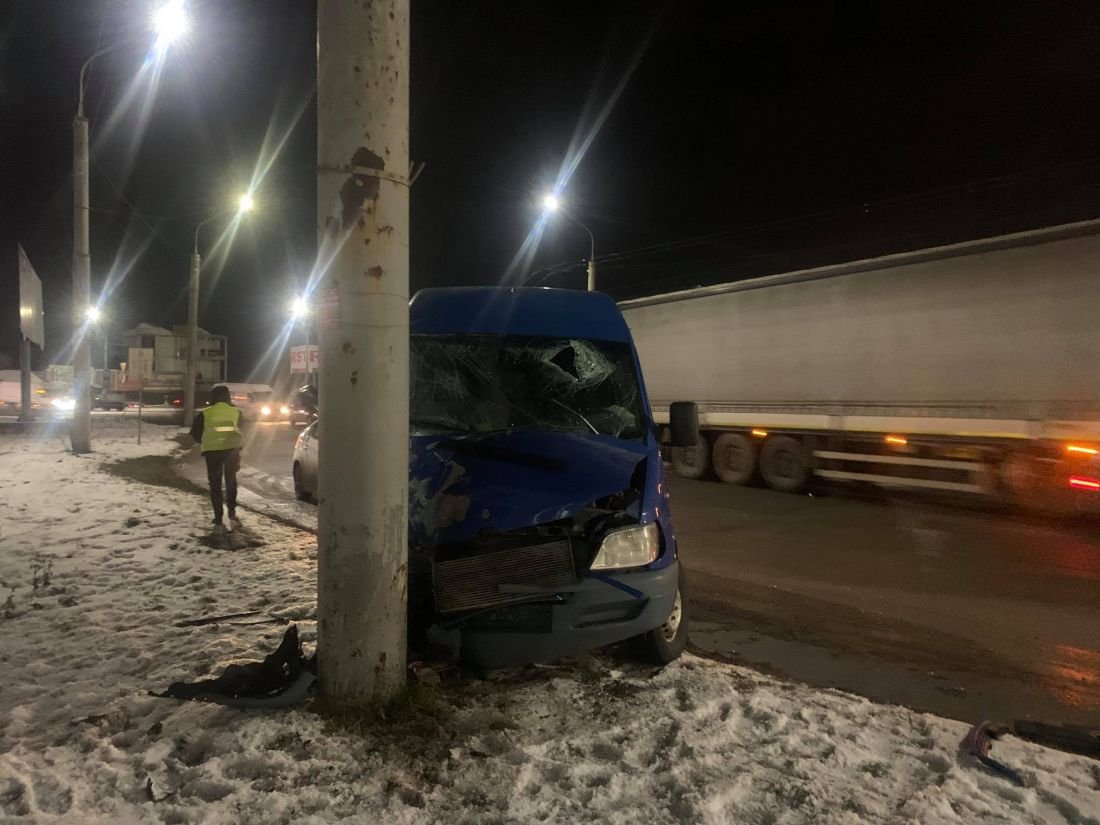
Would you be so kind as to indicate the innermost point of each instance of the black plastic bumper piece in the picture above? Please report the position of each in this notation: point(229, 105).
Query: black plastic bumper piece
point(598, 612)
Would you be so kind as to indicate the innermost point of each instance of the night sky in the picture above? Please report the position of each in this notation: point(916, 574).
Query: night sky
point(781, 134)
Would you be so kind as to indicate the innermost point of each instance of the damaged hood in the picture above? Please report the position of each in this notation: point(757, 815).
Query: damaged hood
point(461, 485)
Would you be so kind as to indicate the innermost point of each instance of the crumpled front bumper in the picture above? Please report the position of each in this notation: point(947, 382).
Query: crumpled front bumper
point(599, 610)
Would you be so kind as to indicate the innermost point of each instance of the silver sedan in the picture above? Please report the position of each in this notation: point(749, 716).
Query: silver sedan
point(304, 469)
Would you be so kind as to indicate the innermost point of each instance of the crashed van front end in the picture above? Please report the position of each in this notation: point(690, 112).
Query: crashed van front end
point(533, 545)
point(538, 511)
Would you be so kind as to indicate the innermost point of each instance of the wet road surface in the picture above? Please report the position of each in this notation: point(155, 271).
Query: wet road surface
point(968, 614)
point(964, 613)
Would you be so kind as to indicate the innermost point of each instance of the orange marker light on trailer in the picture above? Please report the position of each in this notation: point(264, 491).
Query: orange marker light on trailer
point(760, 433)
point(1076, 448)
point(896, 439)
point(1084, 483)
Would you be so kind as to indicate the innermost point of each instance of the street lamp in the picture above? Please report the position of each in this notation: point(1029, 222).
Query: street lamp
point(299, 312)
point(170, 23)
point(551, 204)
point(167, 26)
point(244, 204)
point(96, 317)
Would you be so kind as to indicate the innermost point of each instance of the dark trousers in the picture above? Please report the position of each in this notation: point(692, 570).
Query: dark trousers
point(219, 463)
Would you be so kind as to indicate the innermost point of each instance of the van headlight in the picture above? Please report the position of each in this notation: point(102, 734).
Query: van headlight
point(284, 410)
point(265, 410)
point(629, 547)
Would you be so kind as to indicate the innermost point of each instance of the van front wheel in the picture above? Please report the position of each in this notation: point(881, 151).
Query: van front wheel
point(664, 644)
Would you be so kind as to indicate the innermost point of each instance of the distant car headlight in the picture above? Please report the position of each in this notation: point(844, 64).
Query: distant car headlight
point(66, 404)
point(265, 410)
point(629, 547)
point(284, 410)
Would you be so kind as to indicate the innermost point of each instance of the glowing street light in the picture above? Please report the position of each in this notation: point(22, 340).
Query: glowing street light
point(299, 314)
point(551, 203)
point(245, 203)
point(170, 23)
point(98, 318)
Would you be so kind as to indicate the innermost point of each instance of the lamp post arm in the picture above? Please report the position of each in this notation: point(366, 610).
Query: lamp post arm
point(84, 72)
point(591, 237)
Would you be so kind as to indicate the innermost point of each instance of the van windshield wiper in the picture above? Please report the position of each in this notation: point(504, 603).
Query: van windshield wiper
point(579, 415)
point(436, 423)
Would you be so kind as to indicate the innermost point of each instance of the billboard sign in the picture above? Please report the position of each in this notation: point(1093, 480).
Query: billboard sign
point(30, 302)
point(305, 359)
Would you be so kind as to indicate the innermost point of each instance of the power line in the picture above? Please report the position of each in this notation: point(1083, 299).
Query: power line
point(733, 233)
point(134, 211)
point(736, 232)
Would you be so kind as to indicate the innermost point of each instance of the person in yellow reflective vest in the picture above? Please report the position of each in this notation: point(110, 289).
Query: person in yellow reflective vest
point(217, 428)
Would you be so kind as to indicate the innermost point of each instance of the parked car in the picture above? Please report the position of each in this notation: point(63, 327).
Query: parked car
point(304, 467)
point(104, 402)
point(303, 406)
point(539, 521)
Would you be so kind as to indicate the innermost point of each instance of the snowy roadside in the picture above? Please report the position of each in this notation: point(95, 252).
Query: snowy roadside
point(601, 740)
point(279, 503)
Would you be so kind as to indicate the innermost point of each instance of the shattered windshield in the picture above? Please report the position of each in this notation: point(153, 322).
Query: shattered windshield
point(485, 383)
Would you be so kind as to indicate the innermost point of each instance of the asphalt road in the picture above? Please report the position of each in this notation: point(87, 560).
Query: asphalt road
point(969, 614)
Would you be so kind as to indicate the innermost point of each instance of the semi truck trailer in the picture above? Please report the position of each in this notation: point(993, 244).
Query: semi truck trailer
point(972, 368)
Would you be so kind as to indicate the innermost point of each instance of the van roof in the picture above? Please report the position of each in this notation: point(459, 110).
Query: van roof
point(539, 312)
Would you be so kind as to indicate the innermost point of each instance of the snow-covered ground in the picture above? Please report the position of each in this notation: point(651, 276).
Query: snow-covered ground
point(598, 740)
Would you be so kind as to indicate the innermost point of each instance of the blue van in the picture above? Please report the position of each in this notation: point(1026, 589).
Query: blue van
point(539, 521)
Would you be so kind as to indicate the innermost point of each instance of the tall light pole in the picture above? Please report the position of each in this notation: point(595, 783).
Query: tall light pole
point(244, 204)
point(168, 23)
point(363, 322)
point(552, 204)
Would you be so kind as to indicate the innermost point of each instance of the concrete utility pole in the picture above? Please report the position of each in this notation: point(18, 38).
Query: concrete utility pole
point(363, 324)
point(192, 334)
point(81, 431)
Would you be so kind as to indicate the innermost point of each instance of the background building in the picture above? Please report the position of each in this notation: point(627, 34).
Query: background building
point(158, 356)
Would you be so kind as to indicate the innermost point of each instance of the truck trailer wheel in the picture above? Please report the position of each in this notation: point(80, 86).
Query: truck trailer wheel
point(734, 458)
point(784, 465)
point(665, 644)
point(1035, 484)
point(692, 462)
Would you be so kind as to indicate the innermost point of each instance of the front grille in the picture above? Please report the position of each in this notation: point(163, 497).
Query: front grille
point(475, 582)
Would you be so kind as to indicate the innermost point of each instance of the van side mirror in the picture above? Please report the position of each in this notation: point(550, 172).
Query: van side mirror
point(683, 420)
